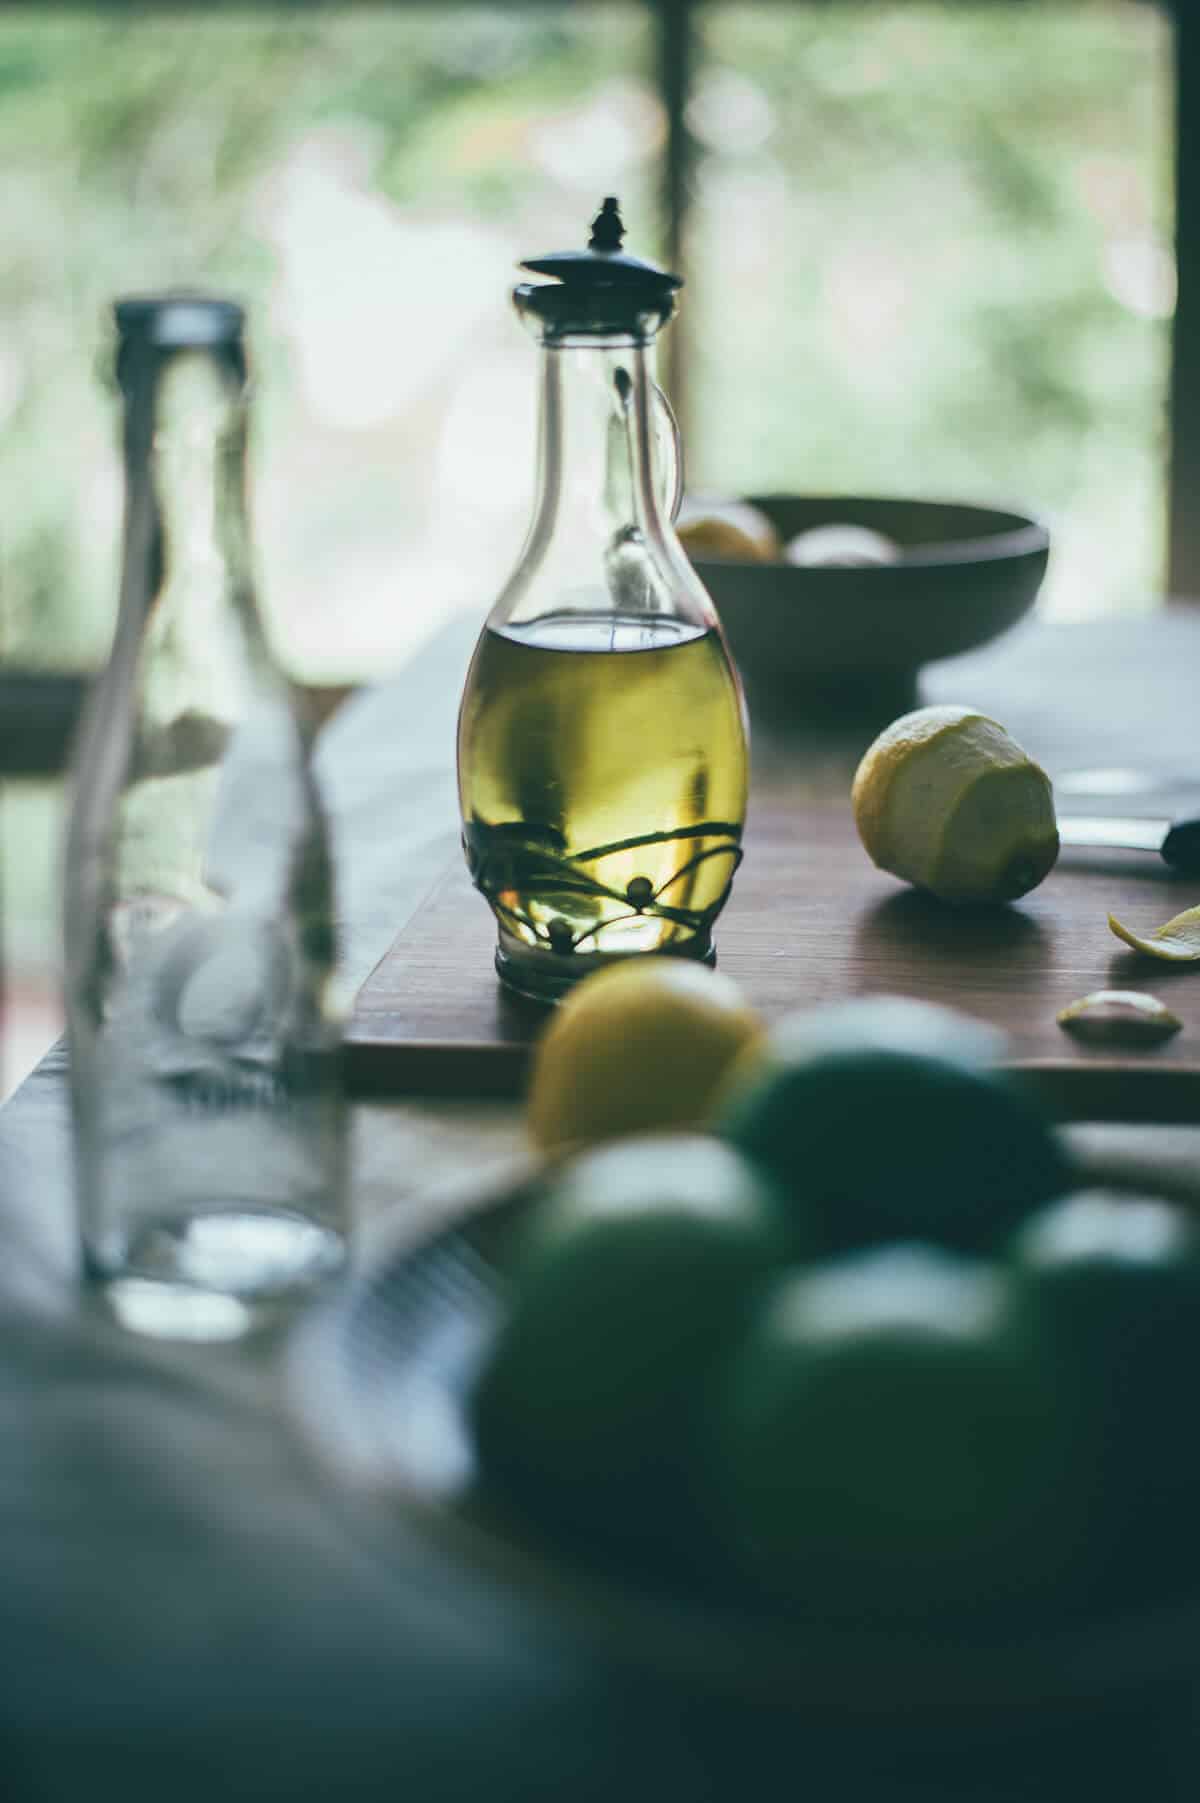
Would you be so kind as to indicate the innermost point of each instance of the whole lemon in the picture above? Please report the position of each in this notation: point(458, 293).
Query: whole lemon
point(636, 1047)
point(733, 530)
point(947, 800)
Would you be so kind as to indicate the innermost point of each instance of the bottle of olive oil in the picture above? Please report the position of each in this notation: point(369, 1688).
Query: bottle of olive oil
point(602, 734)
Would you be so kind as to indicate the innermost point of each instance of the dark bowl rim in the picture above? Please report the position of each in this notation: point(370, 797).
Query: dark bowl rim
point(1028, 539)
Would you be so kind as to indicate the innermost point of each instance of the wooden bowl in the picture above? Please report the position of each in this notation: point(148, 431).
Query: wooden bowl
point(378, 1381)
point(802, 632)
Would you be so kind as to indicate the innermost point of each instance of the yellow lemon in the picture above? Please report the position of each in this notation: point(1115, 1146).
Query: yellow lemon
point(947, 800)
point(637, 1047)
point(733, 530)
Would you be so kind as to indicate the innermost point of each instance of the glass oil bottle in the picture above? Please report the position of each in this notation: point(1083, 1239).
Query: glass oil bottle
point(602, 754)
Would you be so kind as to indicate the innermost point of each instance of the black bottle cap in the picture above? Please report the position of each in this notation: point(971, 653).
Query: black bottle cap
point(600, 289)
point(180, 320)
point(151, 328)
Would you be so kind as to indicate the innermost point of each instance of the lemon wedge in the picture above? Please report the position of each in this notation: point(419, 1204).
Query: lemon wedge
point(1177, 940)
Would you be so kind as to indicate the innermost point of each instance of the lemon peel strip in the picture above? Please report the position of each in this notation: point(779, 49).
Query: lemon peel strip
point(1177, 940)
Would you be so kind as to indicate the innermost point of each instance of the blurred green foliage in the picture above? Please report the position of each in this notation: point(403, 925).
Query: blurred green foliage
point(945, 230)
point(928, 250)
point(138, 149)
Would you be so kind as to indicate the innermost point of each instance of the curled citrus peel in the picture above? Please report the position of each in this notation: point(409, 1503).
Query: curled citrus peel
point(1177, 940)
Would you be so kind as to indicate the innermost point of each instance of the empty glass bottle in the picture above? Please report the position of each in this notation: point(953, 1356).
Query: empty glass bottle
point(204, 1047)
point(602, 735)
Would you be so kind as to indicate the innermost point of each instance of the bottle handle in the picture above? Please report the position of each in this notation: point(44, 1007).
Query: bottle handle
point(670, 449)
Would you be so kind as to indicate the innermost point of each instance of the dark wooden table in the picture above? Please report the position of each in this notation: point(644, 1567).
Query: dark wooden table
point(185, 1603)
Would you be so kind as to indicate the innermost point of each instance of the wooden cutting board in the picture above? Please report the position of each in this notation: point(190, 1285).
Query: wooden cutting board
point(810, 920)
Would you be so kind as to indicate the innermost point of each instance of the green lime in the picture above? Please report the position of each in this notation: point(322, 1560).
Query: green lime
point(892, 1119)
point(632, 1274)
point(1114, 1283)
point(884, 1443)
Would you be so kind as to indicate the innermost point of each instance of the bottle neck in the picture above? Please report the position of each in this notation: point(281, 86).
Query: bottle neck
point(601, 543)
point(188, 643)
point(186, 541)
point(594, 412)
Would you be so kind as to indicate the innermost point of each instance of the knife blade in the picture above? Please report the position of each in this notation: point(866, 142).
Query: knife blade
point(1177, 842)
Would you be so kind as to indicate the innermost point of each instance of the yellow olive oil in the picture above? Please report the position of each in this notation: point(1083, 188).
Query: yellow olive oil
point(602, 778)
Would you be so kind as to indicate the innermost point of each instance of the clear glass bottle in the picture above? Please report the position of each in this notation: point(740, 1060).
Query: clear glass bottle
point(209, 1123)
point(602, 760)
